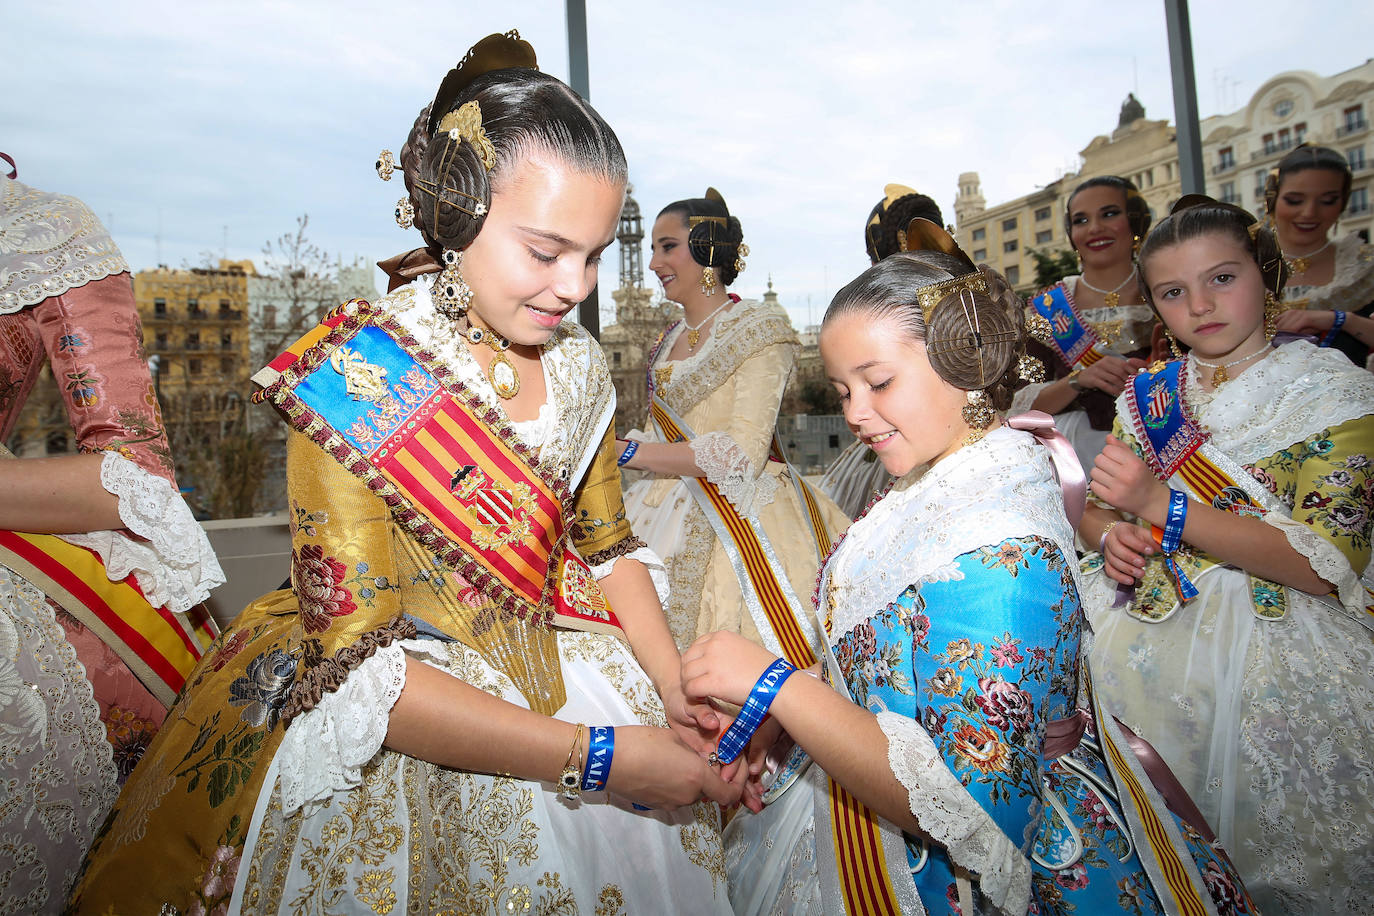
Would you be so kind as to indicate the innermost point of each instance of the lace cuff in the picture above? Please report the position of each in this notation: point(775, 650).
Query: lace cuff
point(1024, 399)
point(1325, 559)
point(727, 466)
point(652, 562)
point(325, 748)
point(945, 811)
point(174, 563)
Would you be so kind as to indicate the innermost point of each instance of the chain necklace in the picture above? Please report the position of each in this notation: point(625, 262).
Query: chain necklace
point(1299, 263)
point(694, 331)
point(1219, 374)
point(1110, 297)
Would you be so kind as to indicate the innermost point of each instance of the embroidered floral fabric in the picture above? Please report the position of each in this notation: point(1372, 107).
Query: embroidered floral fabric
point(1258, 695)
point(272, 775)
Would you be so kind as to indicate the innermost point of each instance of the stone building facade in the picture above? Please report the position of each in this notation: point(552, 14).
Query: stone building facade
point(1238, 150)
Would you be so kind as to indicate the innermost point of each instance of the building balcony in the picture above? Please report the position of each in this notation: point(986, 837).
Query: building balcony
point(1351, 128)
point(1273, 149)
point(1221, 168)
point(1233, 199)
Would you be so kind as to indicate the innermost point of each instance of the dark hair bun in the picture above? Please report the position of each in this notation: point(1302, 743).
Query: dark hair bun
point(716, 238)
point(974, 339)
point(881, 238)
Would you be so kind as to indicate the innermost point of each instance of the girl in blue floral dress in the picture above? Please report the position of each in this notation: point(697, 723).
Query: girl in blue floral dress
point(962, 763)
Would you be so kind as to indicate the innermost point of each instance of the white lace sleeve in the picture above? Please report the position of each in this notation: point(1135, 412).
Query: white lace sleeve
point(946, 811)
point(1325, 559)
point(652, 562)
point(1024, 399)
point(325, 748)
point(727, 466)
point(174, 563)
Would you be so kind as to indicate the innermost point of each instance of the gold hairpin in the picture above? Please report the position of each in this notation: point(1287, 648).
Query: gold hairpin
point(694, 221)
point(928, 297)
point(465, 123)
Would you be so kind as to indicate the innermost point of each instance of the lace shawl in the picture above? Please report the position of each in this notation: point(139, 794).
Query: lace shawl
point(1001, 487)
point(49, 244)
point(1352, 282)
point(1298, 390)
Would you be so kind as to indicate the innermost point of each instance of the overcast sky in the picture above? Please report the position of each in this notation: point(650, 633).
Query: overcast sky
point(208, 126)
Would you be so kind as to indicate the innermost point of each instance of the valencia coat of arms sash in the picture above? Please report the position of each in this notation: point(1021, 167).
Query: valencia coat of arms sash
point(786, 629)
point(1077, 343)
point(1174, 443)
point(159, 646)
point(448, 466)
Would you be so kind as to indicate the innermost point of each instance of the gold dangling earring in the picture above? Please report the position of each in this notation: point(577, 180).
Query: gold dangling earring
point(978, 414)
point(1271, 315)
point(708, 281)
point(1173, 344)
point(1078, 254)
point(451, 293)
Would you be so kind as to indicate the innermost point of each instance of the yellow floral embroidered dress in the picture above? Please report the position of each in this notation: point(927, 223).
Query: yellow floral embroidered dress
point(269, 789)
point(728, 392)
point(1261, 697)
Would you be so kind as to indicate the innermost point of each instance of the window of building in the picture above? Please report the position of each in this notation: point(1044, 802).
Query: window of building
point(1359, 201)
point(1283, 108)
point(269, 317)
point(1150, 177)
point(834, 440)
point(1014, 274)
point(1355, 156)
point(1009, 246)
point(1260, 175)
point(226, 365)
point(979, 234)
point(193, 366)
point(980, 254)
point(1009, 225)
point(161, 342)
point(1300, 132)
point(1168, 171)
point(615, 358)
point(226, 341)
point(1044, 236)
point(1228, 193)
point(1269, 143)
point(1226, 158)
point(193, 340)
point(1042, 214)
point(160, 308)
point(1353, 120)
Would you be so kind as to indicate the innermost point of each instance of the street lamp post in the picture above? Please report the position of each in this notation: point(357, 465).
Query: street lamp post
point(589, 312)
point(1185, 97)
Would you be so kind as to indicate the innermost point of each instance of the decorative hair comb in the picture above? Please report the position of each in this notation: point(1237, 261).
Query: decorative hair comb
point(495, 52)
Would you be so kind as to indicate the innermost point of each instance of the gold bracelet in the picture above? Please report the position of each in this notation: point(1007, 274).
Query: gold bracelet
point(1102, 541)
point(570, 780)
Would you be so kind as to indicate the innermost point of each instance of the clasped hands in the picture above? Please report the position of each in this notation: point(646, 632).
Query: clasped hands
point(1122, 480)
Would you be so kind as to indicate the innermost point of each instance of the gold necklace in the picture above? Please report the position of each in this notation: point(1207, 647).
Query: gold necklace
point(1299, 263)
point(1219, 374)
point(1110, 297)
point(694, 331)
point(505, 380)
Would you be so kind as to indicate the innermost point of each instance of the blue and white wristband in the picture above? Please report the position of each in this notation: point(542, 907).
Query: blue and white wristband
point(754, 711)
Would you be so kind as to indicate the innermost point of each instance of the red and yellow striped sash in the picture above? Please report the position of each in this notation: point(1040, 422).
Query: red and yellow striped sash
point(813, 510)
point(762, 576)
point(421, 462)
point(159, 646)
point(865, 884)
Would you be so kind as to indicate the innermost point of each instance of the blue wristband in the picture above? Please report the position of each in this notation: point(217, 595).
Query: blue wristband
point(1172, 539)
point(631, 446)
point(600, 752)
point(1337, 323)
point(754, 711)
